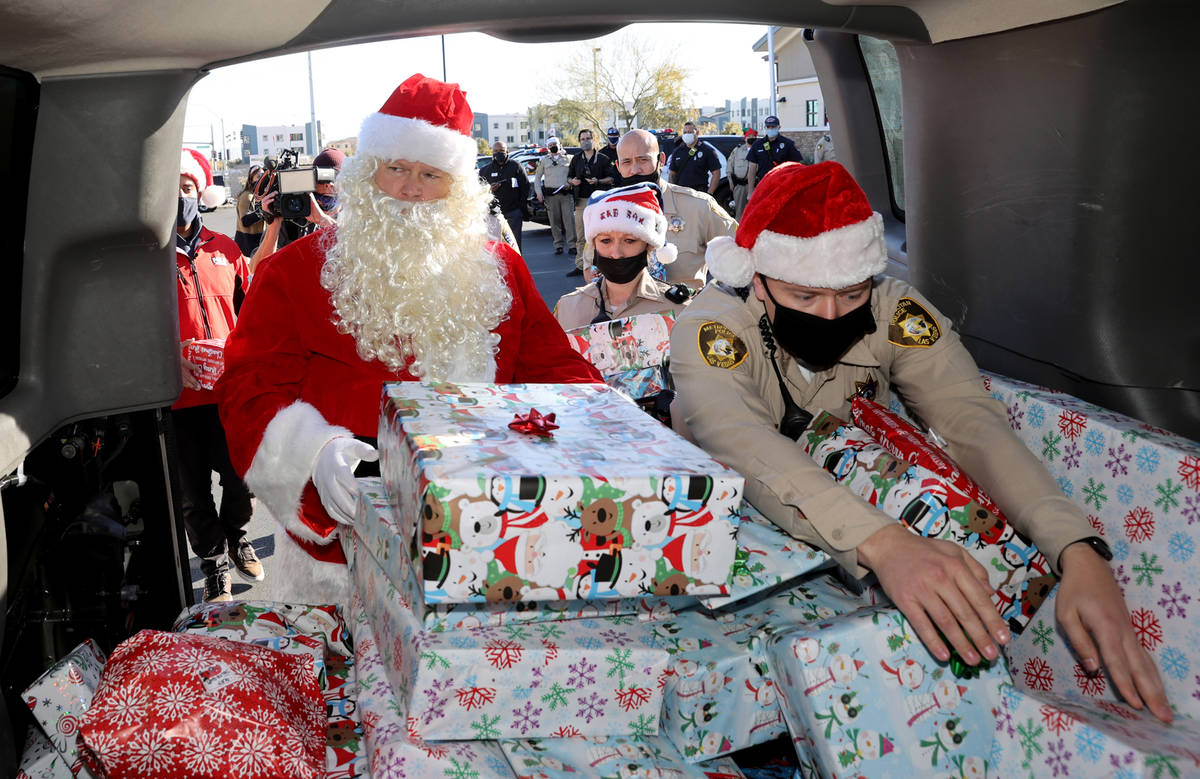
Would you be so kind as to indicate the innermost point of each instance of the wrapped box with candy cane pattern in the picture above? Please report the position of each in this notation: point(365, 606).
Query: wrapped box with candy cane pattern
point(612, 757)
point(611, 505)
point(61, 696)
point(872, 701)
point(1140, 487)
point(534, 680)
point(1043, 735)
point(376, 526)
point(719, 694)
point(40, 760)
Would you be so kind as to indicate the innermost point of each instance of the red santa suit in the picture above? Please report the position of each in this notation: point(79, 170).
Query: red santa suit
point(292, 382)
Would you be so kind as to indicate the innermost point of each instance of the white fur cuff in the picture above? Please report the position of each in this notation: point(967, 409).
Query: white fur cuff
point(283, 463)
point(403, 138)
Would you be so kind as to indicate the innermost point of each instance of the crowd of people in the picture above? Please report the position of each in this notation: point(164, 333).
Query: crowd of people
point(779, 314)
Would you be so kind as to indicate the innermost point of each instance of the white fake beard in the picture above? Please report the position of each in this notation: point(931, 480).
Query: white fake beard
point(413, 282)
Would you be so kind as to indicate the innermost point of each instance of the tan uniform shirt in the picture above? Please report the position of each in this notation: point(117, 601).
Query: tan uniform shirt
point(739, 165)
point(824, 149)
point(579, 308)
point(732, 404)
point(693, 219)
point(550, 175)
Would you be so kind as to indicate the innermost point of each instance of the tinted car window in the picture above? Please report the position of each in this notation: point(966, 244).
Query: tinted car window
point(884, 71)
point(18, 106)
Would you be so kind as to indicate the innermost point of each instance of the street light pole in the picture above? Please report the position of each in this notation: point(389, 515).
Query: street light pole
point(595, 88)
point(771, 65)
point(312, 107)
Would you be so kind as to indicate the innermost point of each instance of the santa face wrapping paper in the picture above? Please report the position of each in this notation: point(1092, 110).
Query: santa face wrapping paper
point(719, 694)
point(934, 506)
point(628, 344)
point(611, 505)
point(316, 632)
point(601, 676)
point(873, 702)
point(1042, 735)
point(60, 697)
point(613, 757)
point(181, 705)
point(1140, 487)
point(376, 526)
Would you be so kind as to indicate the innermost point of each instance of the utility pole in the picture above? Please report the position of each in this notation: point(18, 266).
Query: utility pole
point(444, 58)
point(771, 65)
point(595, 88)
point(312, 107)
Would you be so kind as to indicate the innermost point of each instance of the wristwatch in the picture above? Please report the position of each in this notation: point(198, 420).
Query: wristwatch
point(1098, 545)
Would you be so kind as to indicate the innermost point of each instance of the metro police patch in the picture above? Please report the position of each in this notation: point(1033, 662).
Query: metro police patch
point(913, 326)
point(719, 346)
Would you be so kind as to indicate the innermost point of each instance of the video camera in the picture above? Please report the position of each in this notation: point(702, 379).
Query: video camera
point(293, 182)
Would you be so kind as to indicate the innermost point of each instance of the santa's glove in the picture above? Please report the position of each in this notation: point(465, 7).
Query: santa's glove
point(333, 475)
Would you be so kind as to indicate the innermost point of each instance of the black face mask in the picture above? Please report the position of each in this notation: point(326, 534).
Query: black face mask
point(326, 202)
point(649, 178)
point(500, 157)
point(621, 271)
point(554, 150)
point(818, 342)
point(189, 209)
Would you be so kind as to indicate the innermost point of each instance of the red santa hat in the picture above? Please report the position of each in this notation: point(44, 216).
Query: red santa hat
point(806, 224)
point(196, 166)
point(633, 210)
point(425, 120)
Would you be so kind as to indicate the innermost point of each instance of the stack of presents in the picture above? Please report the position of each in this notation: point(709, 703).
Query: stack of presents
point(550, 583)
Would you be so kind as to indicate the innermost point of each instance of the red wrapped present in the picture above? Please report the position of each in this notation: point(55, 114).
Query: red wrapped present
point(194, 707)
point(208, 355)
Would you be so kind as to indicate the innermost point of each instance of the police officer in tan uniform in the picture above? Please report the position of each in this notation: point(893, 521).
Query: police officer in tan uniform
point(693, 218)
point(624, 227)
point(796, 291)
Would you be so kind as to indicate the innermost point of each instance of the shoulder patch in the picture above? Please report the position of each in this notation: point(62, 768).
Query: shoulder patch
point(913, 326)
point(719, 346)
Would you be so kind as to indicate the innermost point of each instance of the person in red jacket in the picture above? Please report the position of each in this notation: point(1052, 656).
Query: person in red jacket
point(212, 276)
point(405, 287)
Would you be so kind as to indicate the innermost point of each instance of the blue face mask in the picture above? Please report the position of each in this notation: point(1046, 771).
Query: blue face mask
point(772, 132)
point(189, 209)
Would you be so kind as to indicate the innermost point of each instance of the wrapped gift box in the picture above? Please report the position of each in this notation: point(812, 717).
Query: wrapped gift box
point(719, 695)
point(613, 757)
point(627, 344)
point(520, 680)
point(375, 524)
point(61, 696)
point(613, 505)
point(934, 506)
point(766, 557)
point(873, 702)
point(1140, 487)
point(319, 633)
point(1045, 736)
point(40, 760)
point(393, 751)
point(208, 355)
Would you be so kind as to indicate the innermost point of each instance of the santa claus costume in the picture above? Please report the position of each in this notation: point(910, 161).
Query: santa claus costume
point(400, 290)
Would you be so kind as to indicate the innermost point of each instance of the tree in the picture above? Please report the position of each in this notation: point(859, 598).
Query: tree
point(484, 146)
point(734, 128)
point(626, 84)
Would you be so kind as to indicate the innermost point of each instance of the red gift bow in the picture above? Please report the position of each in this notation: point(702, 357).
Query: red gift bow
point(534, 423)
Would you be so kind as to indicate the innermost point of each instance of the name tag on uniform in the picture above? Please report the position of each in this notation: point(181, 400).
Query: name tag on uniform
point(512, 182)
point(219, 259)
point(494, 174)
point(699, 154)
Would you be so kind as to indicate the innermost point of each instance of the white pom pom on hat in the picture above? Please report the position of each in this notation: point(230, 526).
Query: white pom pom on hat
point(196, 166)
point(810, 225)
point(666, 254)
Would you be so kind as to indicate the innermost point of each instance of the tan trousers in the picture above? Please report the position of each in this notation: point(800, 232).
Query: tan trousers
point(560, 210)
point(739, 200)
point(580, 236)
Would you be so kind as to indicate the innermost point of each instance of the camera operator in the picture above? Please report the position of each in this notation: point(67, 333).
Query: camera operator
point(322, 209)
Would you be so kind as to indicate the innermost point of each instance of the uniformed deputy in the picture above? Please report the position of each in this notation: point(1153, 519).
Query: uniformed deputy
point(797, 296)
point(739, 172)
point(696, 163)
point(770, 152)
point(693, 218)
point(625, 227)
point(550, 184)
point(589, 171)
point(510, 188)
point(823, 150)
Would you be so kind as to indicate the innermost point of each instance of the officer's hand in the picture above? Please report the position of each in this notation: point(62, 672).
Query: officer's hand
point(540, 199)
point(495, 186)
point(188, 370)
point(1092, 613)
point(937, 586)
point(591, 181)
point(574, 182)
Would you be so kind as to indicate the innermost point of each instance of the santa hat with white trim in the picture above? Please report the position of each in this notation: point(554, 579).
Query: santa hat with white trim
point(633, 210)
point(196, 166)
point(806, 224)
point(425, 120)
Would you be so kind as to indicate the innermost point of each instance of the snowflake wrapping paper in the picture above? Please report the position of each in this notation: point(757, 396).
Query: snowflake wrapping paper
point(40, 760)
point(1044, 736)
point(601, 676)
point(317, 632)
point(375, 524)
point(719, 694)
point(873, 702)
point(766, 557)
point(614, 757)
point(394, 752)
point(182, 705)
point(623, 345)
point(934, 506)
point(60, 697)
point(613, 505)
point(1140, 487)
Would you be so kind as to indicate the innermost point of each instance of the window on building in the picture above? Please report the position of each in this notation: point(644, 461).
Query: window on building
point(297, 136)
point(524, 125)
point(266, 137)
point(811, 113)
point(508, 126)
point(510, 138)
point(883, 70)
point(495, 125)
point(279, 137)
